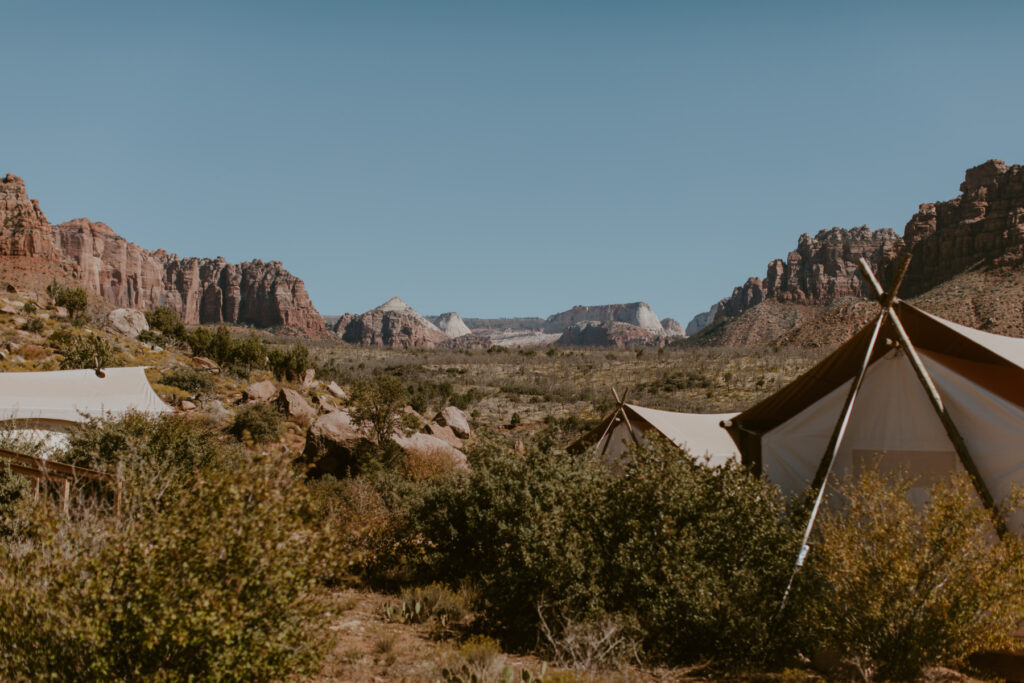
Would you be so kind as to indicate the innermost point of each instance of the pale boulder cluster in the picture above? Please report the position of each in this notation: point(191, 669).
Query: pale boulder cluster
point(334, 436)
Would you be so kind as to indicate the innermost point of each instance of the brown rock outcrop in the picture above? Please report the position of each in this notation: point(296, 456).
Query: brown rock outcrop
point(332, 444)
point(295, 406)
point(983, 226)
point(609, 334)
point(392, 324)
point(91, 255)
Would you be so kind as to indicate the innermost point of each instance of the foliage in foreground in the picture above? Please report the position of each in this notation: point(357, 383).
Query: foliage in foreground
point(689, 559)
point(209, 573)
point(894, 588)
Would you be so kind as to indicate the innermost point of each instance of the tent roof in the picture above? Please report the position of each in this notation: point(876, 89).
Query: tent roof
point(698, 432)
point(993, 361)
point(65, 395)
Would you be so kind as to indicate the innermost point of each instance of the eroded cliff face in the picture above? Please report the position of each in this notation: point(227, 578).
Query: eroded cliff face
point(821, 269)
point(984, 226)
point(91, 255)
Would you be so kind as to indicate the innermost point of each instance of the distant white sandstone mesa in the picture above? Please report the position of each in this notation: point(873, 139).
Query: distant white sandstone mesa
point(453, 325)
point(673, 328)
point(637, 313)
point(702, 320)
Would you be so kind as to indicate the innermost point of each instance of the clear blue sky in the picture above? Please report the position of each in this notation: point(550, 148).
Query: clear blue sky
point(504, 159)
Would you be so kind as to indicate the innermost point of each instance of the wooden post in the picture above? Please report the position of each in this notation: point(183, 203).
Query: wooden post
point(947, 421)
point(829, 458)
point(65, 495)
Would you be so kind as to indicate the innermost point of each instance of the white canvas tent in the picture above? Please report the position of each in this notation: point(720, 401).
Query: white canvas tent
point(45, 405)
point(702, 435)
point(933, 397)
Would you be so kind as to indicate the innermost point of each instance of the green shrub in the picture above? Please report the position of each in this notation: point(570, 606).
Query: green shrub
point(689, 560)
point(80, 351)
point(700, 554)
point(204, 577)
point(29, 307)
point(165, 319)
point(290, 364)
point(422, 603)
point(188, 379)
point(165, 444)
point(34, 325)
point(74, 299)
point(260, 422)
point(893, 588)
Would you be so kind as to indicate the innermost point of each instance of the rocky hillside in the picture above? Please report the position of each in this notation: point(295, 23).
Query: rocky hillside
point(982, 229)
point(609, 333)
point(33, 252)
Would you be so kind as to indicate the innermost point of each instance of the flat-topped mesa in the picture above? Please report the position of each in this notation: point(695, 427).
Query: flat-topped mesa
point(91, 255)
point(984, 225)
point(638, 314)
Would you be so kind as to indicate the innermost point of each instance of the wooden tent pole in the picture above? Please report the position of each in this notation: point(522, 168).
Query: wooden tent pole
point(947, 421)
point(829, 458)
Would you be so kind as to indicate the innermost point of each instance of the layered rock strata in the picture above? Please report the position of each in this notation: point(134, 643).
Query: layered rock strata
point(91, 255)
point(638, 314)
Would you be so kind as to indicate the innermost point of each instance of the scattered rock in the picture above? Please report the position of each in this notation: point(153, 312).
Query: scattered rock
point(188, 405)
point(446, 434)
point(61, 312)
point(309, 378)
point(8, 309)
point(260, 391)
point(452, 417)
point(331, 445)
point(337, 391)
point(205, 364)
point(295, 406)
point(430, 447)
point(325, 404)
point(128, 321)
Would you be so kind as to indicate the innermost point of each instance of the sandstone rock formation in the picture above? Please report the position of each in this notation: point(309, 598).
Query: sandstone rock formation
point(673, 328)
point(609, 334)
point(452, 325)
point(431, 448)
point(392, 324)
point(702, 320)
point(127, 321)
point(638, 314)
point(982, 228)
point(91, 255)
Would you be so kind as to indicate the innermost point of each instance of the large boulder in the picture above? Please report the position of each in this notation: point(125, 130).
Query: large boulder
point(260, 391)
point(452, 417)
point(128, 321)
point(425, 447)
point(332, 445)
point(295, 406)
point(337, 391)
point(446, 434)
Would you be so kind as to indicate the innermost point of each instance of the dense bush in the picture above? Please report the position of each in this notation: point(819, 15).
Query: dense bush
point(188, 379)
point(74, 299)
point(209, 573)
point(165, 319)
point(290, 364)
point(81, 351)
point(259, 422)
point(688, 560)
point(893, 588)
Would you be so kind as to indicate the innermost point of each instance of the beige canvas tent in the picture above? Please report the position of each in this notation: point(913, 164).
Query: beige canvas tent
point(701, 435)
point(933, 397)
point(45, 405)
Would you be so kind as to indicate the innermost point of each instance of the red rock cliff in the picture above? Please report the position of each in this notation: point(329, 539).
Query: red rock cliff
point(32, 252)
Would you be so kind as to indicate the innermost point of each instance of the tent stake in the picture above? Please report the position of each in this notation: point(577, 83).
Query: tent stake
point(947, 421)
point(828, 460)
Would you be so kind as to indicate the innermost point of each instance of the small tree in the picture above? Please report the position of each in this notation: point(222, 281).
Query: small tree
point(378, 405)
point(52, 290)
point(75, 299)
point(82, 352)
point(165, 319)
point(290, 364)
